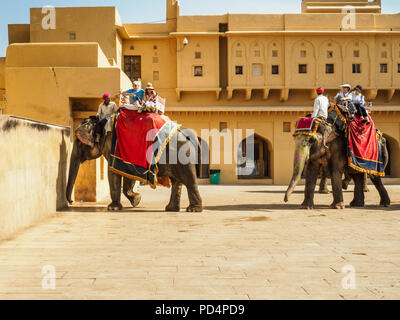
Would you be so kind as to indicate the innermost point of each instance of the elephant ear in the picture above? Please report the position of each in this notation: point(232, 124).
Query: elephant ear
point(84, 132)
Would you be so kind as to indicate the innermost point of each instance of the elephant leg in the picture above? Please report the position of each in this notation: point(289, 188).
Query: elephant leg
point(358, 200)
point(366, 183)
point(311, 181)
point(195, 200)
point(132, 196)
point(174, 204)
point(346, 181)
point(114, 180)
point(336, 178)
point(323, 186)
point(385, 199)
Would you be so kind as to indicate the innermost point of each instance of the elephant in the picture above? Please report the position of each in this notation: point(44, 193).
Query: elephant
point(180, 174)
point(328, 148)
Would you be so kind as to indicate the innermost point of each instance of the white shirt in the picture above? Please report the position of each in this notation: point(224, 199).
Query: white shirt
point(321, 106)
point(342, 95)
point(105, 112)
point(357, 98)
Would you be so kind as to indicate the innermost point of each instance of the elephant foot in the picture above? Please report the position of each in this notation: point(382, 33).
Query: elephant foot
point(171, 208)
point(357, 204)
point(136, 199)
point(307, 205)
point(194, 209)
point(338, 206)
point(113, 206)
point(324, 191)
point(385, 203)
point(345, 185)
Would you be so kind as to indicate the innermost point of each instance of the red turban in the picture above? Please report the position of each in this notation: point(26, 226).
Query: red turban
point(320, 90)
point(106, 95)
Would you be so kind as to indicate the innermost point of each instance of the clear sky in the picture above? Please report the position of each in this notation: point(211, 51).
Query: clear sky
point(17, 11)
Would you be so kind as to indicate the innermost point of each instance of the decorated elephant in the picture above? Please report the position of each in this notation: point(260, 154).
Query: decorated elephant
point(179, 174)
point(327, 147)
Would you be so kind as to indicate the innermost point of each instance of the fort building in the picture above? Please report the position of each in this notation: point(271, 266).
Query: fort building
point(223, 72)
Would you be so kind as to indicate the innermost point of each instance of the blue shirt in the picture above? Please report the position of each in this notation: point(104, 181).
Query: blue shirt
point(139, 95)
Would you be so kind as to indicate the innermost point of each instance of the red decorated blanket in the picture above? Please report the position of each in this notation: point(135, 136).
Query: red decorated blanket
point(364, 152)
point(307, 126)
point(138, 142)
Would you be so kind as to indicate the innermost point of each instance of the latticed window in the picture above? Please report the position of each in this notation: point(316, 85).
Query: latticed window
point(198, 71)
point(286, 127)
point(133, 67)
point(384, 68)
point(257, 69)
point(356, 68)
point(329, 68)
point(275, 69)
point(302, 68)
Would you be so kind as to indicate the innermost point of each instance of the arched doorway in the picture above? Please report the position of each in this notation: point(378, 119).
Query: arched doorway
point(254, 163)
point(392, 169)
point(203, 160)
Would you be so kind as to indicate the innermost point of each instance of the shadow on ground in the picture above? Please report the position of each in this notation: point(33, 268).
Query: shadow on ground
point(283, 191)
point(229, 207)
point(94, 209)
point(278, 206)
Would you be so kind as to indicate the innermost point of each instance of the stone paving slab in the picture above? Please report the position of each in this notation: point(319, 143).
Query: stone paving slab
point(247, 244)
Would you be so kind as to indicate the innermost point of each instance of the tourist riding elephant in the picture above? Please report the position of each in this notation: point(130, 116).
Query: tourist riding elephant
point(333, 154)
point(180, 174)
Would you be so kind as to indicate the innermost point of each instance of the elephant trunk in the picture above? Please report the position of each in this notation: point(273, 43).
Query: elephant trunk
point(73, 171)
point(301, 155)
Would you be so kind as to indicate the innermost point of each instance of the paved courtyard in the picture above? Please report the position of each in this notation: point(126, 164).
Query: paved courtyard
point(247, 244)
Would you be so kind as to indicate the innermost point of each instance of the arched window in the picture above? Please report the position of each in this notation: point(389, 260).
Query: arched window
point(254, 156)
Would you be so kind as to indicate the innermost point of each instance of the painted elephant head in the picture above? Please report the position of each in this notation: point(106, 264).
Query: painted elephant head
point(310, 148)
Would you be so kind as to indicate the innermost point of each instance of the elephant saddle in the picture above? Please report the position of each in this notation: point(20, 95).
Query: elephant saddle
point(364, 149)
point(138, 142)
point(307, 126)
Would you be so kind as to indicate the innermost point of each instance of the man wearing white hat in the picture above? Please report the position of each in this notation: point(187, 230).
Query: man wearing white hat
point(345, 95)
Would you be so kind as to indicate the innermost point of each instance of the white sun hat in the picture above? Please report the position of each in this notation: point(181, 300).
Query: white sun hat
point(346, 85)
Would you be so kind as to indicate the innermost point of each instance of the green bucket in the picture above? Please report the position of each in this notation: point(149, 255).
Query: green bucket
point(214, 176)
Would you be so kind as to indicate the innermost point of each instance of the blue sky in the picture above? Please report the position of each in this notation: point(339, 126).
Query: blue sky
point(17, 11)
